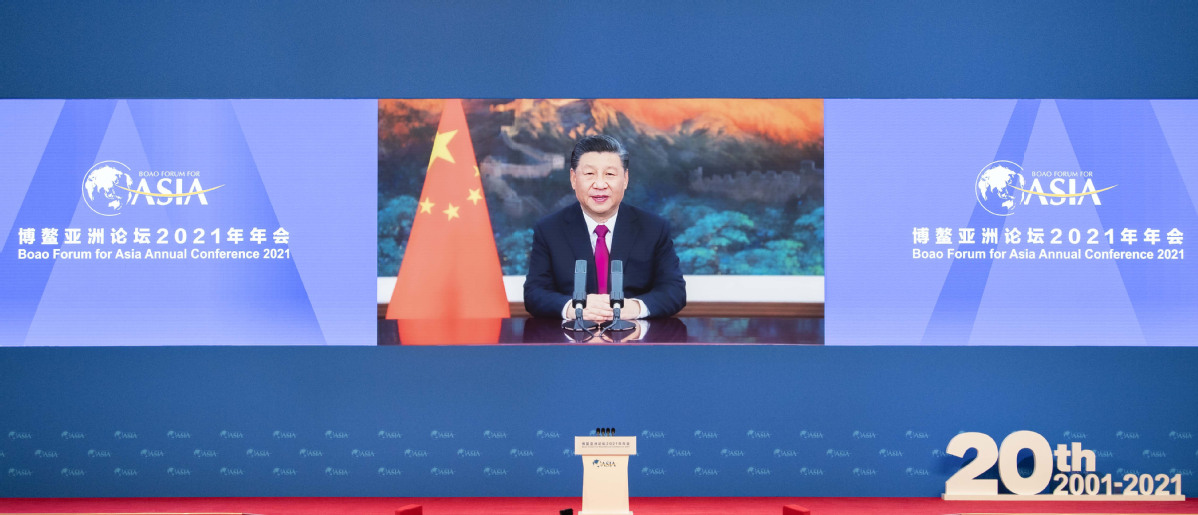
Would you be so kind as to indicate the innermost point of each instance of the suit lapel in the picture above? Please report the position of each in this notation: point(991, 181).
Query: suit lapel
point(580, 244)
point(627, 231)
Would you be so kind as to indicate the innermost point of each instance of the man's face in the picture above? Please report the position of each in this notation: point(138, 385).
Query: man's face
point(599, 183)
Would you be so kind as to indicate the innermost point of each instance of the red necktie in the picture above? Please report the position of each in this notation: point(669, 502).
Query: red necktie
point(601, 263)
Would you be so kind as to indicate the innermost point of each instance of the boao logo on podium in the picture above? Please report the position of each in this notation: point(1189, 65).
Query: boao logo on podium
point(1076, 477)
point(605, 471)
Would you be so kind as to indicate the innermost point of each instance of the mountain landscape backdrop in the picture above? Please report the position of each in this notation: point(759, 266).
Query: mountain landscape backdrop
point(740, 180)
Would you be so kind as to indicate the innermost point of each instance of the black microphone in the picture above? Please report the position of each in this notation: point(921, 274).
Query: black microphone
point(617, 283)
point(580, 283)
point(617, 297)
point(580, 298)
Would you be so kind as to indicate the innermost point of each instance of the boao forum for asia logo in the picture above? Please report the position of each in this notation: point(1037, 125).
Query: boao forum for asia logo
point(108, 188)
point(1001, 187)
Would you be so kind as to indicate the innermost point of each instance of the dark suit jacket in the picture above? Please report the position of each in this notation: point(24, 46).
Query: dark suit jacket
point(640, 239)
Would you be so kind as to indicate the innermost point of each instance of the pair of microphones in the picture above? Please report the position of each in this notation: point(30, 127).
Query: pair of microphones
point(616, 295)
point(605, 431)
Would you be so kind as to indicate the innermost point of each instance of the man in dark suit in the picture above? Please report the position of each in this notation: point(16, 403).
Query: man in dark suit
point(599, 229)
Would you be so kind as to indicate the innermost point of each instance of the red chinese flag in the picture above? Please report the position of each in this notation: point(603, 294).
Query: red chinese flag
point(450, 269)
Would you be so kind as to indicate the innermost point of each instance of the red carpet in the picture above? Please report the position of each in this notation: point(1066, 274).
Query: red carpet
point(551, 505)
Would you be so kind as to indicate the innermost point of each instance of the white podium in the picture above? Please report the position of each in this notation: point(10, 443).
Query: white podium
point(605, 473)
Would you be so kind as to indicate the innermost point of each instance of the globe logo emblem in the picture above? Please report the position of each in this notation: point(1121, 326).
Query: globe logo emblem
point(998, 187)
point(107, 187)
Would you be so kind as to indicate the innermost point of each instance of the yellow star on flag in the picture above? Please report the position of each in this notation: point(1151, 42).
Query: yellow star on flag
point(441, 147)
point(475, 196)
point(476, 170)
point(429, 285)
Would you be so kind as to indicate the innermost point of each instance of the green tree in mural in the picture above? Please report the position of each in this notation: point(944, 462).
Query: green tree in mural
point(699, 247)
point(809, 229)
point(513, 251)
point(395, 223)
point(782, 257)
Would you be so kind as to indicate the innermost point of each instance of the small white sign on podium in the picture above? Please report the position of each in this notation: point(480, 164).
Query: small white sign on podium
point(605, 473)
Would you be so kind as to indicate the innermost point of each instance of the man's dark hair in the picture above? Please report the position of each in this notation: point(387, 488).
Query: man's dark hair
point(598, 143)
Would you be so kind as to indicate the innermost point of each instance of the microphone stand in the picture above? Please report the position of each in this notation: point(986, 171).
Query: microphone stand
point(580, 300)
point(578, 324)
point(617, 298)
point(617, 324)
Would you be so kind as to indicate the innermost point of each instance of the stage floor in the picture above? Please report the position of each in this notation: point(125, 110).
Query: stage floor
point(551, 505)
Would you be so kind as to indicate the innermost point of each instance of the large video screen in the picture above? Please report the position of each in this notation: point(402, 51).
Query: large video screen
point(187, 222)
point(738, 183)
point(1011, 222)
point(292, 222)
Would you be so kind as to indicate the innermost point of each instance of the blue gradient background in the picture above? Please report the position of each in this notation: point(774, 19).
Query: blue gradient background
point(915, 161)
point(300, 165)
point(621, 49)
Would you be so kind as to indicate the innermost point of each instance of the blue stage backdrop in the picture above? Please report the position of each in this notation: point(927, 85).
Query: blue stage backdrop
point(622, 49)
point(491, 421)
point(841, 420)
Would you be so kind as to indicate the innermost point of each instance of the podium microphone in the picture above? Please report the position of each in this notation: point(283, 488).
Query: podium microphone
point(580, 297)
point(617, 297)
